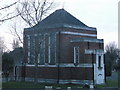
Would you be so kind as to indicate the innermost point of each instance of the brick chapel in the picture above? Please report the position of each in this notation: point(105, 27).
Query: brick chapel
point(62, 49)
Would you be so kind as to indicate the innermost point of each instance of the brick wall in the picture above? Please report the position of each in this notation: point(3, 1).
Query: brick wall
point(65, 73)
point(64, 54)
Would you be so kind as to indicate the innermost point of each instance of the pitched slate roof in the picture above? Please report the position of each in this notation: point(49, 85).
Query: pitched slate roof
point(60, 18)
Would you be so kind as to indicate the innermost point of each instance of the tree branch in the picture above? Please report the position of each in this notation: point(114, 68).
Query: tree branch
point(9, 18)
point(9, 5)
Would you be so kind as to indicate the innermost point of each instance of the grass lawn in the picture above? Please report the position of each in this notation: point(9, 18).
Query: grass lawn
point(109, 83)
point(38, 85)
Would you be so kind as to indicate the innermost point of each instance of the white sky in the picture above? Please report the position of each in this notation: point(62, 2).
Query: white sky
point(102, 14)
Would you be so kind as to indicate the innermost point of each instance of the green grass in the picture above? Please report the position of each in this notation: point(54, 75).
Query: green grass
point(38, 85)
point(20, 85)
point(109, 83)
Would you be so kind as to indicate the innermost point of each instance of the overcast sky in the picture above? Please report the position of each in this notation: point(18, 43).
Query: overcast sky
point(102, 14)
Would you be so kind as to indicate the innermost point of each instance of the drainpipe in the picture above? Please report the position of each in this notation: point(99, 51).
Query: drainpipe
point(15, 70)
point(23, 71)
point(105, 68)
point(58, 57)
point(24, 60)
point(93, 66)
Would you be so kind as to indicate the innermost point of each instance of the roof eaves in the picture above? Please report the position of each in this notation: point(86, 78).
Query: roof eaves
point(87, 40)
point(79, 27)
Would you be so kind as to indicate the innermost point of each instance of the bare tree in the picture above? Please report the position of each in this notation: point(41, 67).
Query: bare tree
point(16, 34)
point(2, 46)
point(110, 56)
point(1, 52)
point(111, 47)
point(30, 12)
point(33, 11)
point(15, 43)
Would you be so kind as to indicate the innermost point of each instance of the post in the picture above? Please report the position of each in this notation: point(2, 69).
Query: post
point(48, 87)
point(69, 88)
point(118, 69)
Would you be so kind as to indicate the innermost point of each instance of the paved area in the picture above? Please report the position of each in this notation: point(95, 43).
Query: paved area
point(114, 76)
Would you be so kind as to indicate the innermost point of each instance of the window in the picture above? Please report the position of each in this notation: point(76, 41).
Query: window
point(88, 44)
point(99, 45)
point(93, 58)
point(28, 42)
point(76, 54)
point(49, 50)
point(32, 49)
point(28, 57)
point(38, 58)
point(46, 48)
point(41, 49)
point(99, 61)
